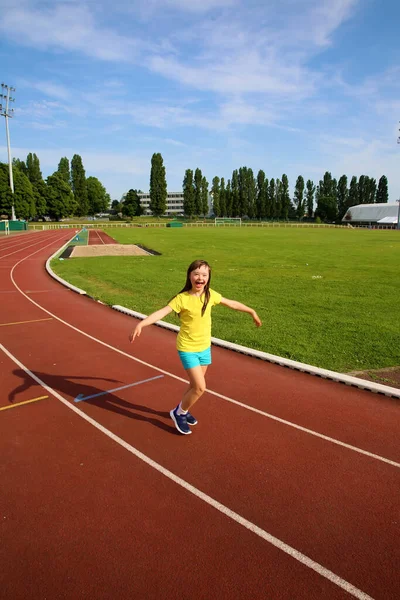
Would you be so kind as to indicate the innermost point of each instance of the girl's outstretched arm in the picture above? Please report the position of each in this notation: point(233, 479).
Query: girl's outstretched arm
point(155, 316)
point(243, 308)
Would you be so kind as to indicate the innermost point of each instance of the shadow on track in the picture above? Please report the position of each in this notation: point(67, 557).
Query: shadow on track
point(67, 386)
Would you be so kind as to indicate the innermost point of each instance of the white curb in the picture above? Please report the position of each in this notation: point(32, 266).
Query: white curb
point(363, 384)
point(284, 362)
point(62, 281)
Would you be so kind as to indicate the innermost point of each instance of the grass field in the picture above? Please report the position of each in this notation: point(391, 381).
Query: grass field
point(330, 298)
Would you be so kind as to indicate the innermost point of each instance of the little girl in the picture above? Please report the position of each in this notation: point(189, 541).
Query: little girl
point(193, 304)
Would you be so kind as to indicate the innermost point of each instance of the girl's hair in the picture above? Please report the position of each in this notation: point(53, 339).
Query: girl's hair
point(196, 264)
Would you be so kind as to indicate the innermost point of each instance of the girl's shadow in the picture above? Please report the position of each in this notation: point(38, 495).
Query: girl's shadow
point(65, 385)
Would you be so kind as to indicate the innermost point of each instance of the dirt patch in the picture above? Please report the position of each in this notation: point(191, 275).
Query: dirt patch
point(390, 376)
point(108, 250)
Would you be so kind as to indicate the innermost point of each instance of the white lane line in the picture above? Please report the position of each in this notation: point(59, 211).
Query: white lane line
point(24, 248)
point(99, 236)
point(227, 398)
point(299, 556)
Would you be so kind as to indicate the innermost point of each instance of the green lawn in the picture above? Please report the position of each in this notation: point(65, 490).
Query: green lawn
point(327, 297)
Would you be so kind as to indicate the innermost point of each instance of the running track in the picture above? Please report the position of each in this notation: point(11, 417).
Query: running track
point(287, 489)
point(99, 237)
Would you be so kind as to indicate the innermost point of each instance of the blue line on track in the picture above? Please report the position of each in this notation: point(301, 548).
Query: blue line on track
point(81, 397)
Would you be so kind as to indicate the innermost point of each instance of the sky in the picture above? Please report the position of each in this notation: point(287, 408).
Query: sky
point(288, 86)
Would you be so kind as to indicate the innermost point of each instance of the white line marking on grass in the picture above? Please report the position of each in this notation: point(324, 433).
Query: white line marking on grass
point(274, 541)
point(81, 397)
point(227, 398)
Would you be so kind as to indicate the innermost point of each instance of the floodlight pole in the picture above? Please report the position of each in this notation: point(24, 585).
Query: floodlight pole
point(7, 114)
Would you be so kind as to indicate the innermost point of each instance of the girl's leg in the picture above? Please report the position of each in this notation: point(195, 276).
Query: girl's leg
point(196, 388)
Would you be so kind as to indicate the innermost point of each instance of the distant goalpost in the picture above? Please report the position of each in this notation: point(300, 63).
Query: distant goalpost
point(228, 221)
point(5, 226)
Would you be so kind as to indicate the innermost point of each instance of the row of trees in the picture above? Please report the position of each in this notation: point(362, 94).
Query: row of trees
point(263, 198)
point(260, 197)
point(67, 192)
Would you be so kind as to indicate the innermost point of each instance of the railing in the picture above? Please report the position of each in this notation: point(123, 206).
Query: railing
point(102, 225)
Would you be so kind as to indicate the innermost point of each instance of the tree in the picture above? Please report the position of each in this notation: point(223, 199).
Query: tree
point(353, 192)
point(382, 194)
point(228, 199)
point(33, 169)
point(215, 196)
point(362, 189)
point(371, 190)
point(261, 203)
point(235, 194)
point(197, 192)
point(116, 206)
point(188, 193)
point(204, 196)
point(97, 200)
point(222, 198)
point(285, 197)
point(271, 199)
point(299, 197)
point(19, 164)
point(131, 206)
point(23, 197)
point(278, 199)
point(310, 198)
point(79, 188)
point(327, 186)
point(38, 185)
point(60, 199)
point(327, 208)
point(342, 196)
point(63, 169)
point(40, 195)
point(251, 189)
point(158, 186)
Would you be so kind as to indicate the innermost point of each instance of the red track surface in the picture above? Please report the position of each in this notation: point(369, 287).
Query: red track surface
point(82, 516)
point(98, 237)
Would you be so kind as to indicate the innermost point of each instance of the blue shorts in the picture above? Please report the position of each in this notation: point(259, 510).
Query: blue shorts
point(195, 359)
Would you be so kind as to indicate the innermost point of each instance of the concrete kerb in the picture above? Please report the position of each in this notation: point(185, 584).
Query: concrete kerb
point(363, 384)
point(56, 277)
point(283, 362)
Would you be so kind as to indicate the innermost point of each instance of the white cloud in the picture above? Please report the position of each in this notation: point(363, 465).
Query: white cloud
point(94, 162)
point(53, 89)
point(69, 28)
point(198, 6)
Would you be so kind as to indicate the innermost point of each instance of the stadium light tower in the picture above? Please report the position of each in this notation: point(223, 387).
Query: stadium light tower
point(7, 113)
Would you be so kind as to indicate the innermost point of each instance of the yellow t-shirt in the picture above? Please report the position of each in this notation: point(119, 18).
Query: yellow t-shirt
point(195, 331)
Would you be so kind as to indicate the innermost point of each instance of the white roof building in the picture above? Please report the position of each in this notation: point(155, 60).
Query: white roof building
point(372, 213)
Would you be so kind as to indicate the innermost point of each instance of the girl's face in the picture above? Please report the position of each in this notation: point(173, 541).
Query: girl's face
point(199, 278)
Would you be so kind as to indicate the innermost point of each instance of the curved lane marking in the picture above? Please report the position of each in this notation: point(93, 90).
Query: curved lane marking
point(299, 556)
point(217, 394)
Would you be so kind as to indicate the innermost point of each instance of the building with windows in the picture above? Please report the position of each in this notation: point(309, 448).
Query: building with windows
point(174, 203)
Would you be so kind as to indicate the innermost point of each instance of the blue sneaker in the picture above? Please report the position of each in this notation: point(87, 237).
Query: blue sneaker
point(191, 420)
point(180, 422)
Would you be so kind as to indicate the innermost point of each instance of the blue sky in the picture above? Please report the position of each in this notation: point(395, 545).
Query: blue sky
point(289, 86)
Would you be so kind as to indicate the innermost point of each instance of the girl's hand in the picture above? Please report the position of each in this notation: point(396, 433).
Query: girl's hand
point(136, 332)
point(256, 319)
